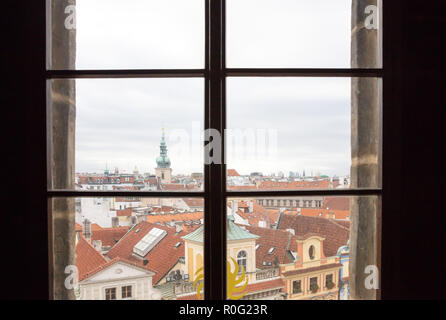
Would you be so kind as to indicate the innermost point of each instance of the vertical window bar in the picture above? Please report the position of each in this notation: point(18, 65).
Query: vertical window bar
point(215, 221)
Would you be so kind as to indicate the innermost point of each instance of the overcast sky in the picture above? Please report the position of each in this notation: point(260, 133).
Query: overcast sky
point(118, 122)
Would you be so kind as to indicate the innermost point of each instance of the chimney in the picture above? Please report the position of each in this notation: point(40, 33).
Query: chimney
point(251, 206)
point(86, 230)
point(291, 231)
point(178, 228)
point(115, 222)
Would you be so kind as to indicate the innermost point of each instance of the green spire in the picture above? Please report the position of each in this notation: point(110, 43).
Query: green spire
point(163, 160)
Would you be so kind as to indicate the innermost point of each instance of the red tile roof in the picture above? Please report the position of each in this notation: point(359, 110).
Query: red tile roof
point(335, 234)
point(162, 218)
point(233, 173)
point(241, 188)
point(337, 203)
point(265, 285)
point(324, 213)
point(94, 227)
point(87, 258)
point(190, 297)
point(286, 185)
point(258, 213)
point(161, 258)
point(179, 186)
point(281, 240)
point(293, 185)
point(109, 236)
point(124, 212)
point(108, 264)
point(194, 202)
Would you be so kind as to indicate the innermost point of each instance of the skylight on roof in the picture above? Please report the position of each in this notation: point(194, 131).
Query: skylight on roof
point(149, 241)
point(270, 251)
point(257, 246)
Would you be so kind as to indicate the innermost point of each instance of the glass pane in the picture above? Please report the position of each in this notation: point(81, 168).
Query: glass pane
point(126, 134)
point(117, 34)
point(303, 133)
point(300, 248)
point(303, 34)
point(127, 248)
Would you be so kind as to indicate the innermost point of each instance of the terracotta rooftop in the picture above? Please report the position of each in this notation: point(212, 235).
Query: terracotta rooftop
point(179, 186)
point(265, 285)
point(94, 227)
point(124, 212)
point(233, 173)
point(87, 258)
point(110, 263)
point(109, 236)
point(188, 216)
point(258, 213)
point(293, 185)
point(161, 258)
point(337, 203)
point(335, 234)
point(280, 240)
point(321, 212)
point(194, 202)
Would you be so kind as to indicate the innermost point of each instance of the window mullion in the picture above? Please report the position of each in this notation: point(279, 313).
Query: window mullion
point(215, 208)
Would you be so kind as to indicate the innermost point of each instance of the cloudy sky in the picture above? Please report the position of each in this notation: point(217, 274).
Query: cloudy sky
point(119, 121)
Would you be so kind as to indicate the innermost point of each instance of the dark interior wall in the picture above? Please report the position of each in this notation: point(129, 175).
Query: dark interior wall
point(414, 227)
point(24, 236)
point(422, 218)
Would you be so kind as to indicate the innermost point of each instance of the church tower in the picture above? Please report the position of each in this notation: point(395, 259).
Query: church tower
point(163, 170)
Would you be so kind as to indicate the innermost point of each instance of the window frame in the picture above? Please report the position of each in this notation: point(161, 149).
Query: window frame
point(215, 193)
point(125, 290)
point(111, 293)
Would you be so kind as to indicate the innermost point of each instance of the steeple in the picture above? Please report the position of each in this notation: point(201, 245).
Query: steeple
point(163, 160)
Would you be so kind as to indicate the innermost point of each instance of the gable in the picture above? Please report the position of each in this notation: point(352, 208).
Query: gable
point(118, 271)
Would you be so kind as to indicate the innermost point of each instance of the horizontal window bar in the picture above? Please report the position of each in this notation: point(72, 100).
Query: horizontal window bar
point(104, 194)
point(298, 193)
point(242, 72)
point(137, 73)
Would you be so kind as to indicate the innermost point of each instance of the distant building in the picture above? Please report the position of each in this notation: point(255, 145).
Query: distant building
point(163, 171)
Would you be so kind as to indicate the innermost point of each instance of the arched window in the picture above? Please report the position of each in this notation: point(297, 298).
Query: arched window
point(242, 257)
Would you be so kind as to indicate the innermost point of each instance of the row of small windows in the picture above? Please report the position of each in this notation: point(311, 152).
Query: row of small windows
point(314, 287)
point(290, 203)
point(126, 293)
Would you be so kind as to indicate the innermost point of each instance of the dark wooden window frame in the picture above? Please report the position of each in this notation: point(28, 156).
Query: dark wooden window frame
point(215, 193)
